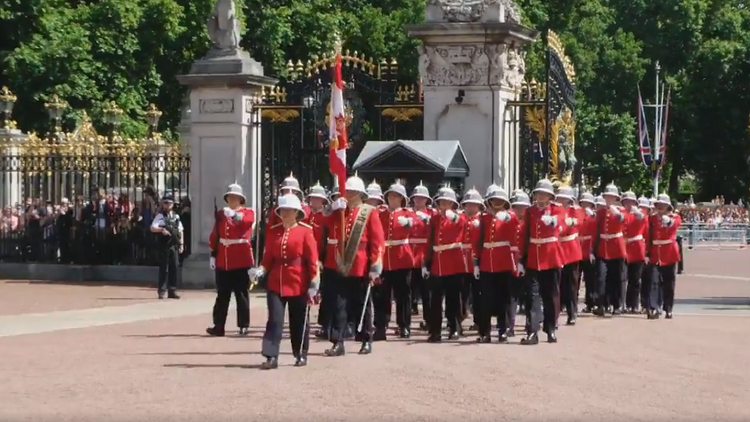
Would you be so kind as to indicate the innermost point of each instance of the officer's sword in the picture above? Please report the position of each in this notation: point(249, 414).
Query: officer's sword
point(364, 308)
point(304, 328)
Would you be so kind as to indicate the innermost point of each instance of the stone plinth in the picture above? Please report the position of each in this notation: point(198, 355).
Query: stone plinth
point(469, 71)
point(224, 144)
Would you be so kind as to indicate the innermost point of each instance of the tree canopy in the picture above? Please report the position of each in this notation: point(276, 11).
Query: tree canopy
point(130, 51)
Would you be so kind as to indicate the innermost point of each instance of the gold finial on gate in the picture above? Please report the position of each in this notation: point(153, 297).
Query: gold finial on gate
point(337, 44)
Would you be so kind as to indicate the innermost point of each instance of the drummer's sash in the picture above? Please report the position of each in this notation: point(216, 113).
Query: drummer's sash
point(352, 243)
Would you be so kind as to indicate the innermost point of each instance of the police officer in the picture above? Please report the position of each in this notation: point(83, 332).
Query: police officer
point(167, 224)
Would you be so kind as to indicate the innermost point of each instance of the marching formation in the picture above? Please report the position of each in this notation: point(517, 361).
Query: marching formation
point(358, 255)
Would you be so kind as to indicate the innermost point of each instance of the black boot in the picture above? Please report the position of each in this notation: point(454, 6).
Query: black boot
point(502, 338)
point(244, 331)
point(405, 332)
point(215, 332)
point(366, 348)
point(551, 337)
point(162, 294)
point(599, 311)
point(322, 334)
point(668, 315)
point(454, 335)
point(511, 332)
point(434, 338)
point(571, 320)
point(270, 363)
point(379, 335)
point(336, 350)
point(423, 325)
point(530, 339)
point(301, 360)
point(173, 295)
point(484, 339)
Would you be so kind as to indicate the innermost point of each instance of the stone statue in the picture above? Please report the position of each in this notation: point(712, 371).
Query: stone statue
point(512, 14)
point(474, 10)
point(497, 56)
point(514, 70)
point(224, 27)
point(566, 158)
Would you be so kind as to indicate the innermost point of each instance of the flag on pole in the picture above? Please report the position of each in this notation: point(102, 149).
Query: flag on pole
point(663, 140)
point(337, 127)
point(643, 140)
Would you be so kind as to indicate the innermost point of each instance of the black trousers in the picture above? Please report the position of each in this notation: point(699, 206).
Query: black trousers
point(495, 298)
point(635, 273)
point(590, 281)
point(414, 285)
point(540, 292)
point(647, 275)
point(347, 296)
point(610, 282)
point(421, 287)
point(667, 275)
point(168, 257)
point(227, 282)
point(475, 291)
point(569, 277)
point(395, 285)
point(516, 293)
point(467, 301)
point(299, 324)
point(324, 317)
point(448, 287)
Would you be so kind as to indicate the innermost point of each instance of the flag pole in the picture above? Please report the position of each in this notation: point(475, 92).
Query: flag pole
point(337, 52)
point(657, 136)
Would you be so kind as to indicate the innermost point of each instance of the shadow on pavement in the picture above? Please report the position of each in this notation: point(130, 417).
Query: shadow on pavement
point(208, 365)
point(731, 301)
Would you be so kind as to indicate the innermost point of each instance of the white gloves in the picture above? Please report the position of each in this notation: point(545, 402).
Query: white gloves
point(571, 221)
point(425, 218)
point(647, 260)
point(320, 267)
point(638, 214)
point(666, 221)
point(592, 258)
point(549, 220)
point(520, 269)
point(476, 272)
point(373, 276)
point(613, 209)
point(212, 263)
point(256, 273)
point(312, 292)
point(425, 273)
point(502, 216)
point(338, 204)
point(404, 221)
point(590, 212)
point(475, 223)
point(452, 216)
point(229, 213)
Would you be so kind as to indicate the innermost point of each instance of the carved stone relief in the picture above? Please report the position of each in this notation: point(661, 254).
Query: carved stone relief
point(474, 10)
point(467, 65)
point(219, 106)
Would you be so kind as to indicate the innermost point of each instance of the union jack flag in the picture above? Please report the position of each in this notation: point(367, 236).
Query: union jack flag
point(643, 140)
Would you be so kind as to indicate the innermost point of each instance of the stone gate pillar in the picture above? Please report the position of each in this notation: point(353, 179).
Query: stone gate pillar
point(11, 184)
point(471, 62)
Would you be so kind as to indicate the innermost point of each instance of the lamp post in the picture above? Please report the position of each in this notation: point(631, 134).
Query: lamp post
point(7, 101)
point(153, 115)
point(55, 108)
point(113, 116)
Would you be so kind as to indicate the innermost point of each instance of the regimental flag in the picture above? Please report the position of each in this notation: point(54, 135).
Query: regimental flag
point(337, 128)
point(643, 141)
point(659, 162)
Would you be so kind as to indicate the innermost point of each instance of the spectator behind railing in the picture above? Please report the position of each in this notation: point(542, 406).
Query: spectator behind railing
point(107, 229)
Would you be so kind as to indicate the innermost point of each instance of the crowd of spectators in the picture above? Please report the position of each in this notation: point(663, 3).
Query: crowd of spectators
point(106, 229)
point(714, 214)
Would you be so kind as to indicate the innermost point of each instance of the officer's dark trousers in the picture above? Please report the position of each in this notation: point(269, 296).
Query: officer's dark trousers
point(168, 269)
point(395, 284)
point(299, 324)
point(539, 293)
point(448, 287)
point(635, 272)
point(516, 293)
point(324, 316)
point(227, 282)
point(650, 282)
point(569, 277)
point(610, 282)
point(422, 288)
point(591, 281)
point(475, 291)
point(681, 264)
point(495, 300)
point(467, 300)
point(347, 296)
point(668, 278)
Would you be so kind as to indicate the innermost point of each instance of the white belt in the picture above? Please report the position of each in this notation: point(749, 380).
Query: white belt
point(541, 241)
point(568, 238)
point(332, 241)
point(227, 242)
point(610, 236)
point(417, 241)
point(635, 238)
point(396, 242)
point(440, 248)
point(490, 245)
point(585, 237)
point(662, 242)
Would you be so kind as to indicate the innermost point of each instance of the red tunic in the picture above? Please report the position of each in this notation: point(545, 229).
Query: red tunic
point(569, 243)
point(520, 242)
point(317, 221)
point(610, 228)
point(370, 250)
point(636, 224)
point(290, 257)
point(499, 244)
point(542, 246)
point(447, 242)
point(230, 240)
point(663, 248)
point(471, 237)
point(274, 219)
point(586, 233)
point(398, 252)
point(420, 235)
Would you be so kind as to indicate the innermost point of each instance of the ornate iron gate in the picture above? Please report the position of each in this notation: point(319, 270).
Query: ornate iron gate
point(294, 117)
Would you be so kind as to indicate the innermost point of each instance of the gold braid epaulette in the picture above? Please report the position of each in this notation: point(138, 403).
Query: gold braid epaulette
point(305, 225)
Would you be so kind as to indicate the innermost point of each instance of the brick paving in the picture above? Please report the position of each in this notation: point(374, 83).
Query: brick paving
point(627, 368)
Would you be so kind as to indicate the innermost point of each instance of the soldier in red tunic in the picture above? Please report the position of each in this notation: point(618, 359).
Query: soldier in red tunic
point(232, 257)
point(609, 248)
point(398, 261)
point(445, 264)
point(664, 253)
point(420, 288)
point(519, 203)
point(543, 259)
point(290, 270)
point(647, 274)
point(586, 232)
point(636, 221)
point(290, 185)
point(317, 199)
point(571, 252)
point(357, 265)
point(375, 196)
point(473, 206)
point(495, 264)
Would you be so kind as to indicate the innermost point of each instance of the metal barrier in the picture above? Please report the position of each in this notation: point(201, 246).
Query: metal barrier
point(715, 237)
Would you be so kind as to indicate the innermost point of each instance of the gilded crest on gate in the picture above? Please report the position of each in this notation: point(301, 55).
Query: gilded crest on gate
point(562, 160)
